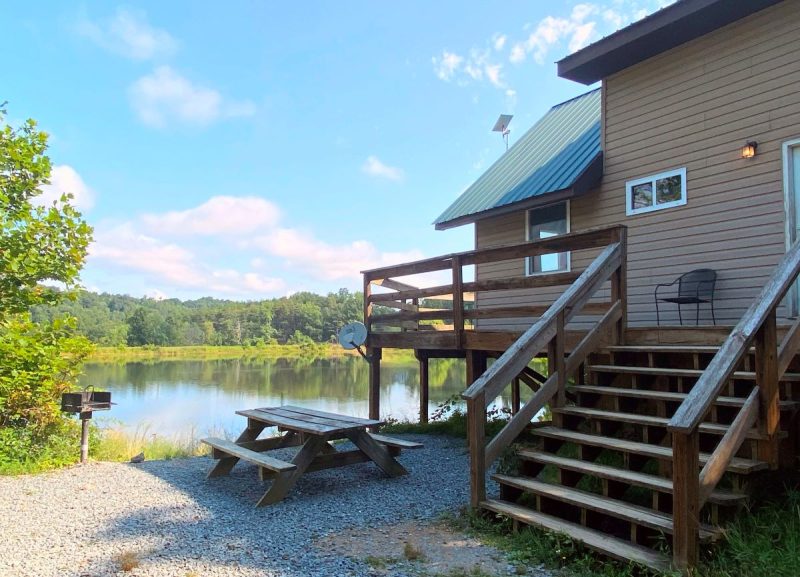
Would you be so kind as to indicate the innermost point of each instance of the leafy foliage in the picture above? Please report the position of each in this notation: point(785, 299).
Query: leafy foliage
point(113, 320)
point(38, 362)
point(37, 243)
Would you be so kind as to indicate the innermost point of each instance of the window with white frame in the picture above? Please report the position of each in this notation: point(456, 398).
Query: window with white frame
point(544, 222)
point(663, 190)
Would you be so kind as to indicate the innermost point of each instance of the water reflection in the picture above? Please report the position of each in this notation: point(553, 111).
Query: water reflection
point(198, 397)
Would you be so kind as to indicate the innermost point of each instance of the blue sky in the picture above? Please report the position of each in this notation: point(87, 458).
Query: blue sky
point(252, 149)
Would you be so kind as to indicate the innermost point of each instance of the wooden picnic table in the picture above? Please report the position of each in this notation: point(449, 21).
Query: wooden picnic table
point(313, 431)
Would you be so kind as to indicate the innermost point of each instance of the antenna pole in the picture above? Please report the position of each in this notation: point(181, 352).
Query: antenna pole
point(501, 126)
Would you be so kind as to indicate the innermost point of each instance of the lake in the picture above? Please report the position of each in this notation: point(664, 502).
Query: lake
point(182, 397)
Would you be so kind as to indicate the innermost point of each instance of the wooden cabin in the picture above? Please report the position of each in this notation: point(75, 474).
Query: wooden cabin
point(687, 157)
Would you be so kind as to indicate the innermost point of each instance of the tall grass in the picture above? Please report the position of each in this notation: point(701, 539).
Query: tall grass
point(120, 445)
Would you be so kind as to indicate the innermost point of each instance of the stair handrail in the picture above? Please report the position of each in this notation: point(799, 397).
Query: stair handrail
point(758, 325)
point(548, 330)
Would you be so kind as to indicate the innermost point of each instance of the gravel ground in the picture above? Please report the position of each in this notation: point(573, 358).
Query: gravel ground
point(165, 517)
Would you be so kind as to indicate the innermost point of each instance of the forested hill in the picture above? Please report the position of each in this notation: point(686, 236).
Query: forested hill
point(111, 320)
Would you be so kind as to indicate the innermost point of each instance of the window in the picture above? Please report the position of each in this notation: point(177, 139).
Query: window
point(655, 192)
point(542, 223)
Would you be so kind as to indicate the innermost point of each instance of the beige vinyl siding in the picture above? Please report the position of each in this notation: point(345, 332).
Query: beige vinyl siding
point(695, 107)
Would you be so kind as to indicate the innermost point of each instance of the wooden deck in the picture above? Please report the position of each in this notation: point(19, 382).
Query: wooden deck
point(678, 406)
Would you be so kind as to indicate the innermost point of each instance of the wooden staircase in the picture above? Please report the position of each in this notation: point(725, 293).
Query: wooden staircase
point(651, 448)
point(601, 471)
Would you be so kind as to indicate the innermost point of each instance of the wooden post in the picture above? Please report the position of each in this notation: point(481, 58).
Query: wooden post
point(458, 302)
point(367, 303)
point(85, 436)
point(619, 287)
point(476, 432)
point(423, 386)
point(766, 342)
point(476, 365)
point(685, 499)
point(374, 382)
point(515, 400)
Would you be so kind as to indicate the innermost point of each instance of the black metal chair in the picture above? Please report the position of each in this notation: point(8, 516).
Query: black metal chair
point(694, 287)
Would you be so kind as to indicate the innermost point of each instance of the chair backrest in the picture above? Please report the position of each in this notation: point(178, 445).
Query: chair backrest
point(697, 283)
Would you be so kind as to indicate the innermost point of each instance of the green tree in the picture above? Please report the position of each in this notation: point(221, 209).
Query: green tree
point(147, 327)
point(37, 244)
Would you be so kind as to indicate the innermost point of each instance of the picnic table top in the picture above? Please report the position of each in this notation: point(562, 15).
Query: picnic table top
point(308, 420)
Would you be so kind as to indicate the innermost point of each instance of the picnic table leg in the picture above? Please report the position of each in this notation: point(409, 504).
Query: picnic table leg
point(226, 464)
point(377, 452)
point(284, 482)
point(288, 440)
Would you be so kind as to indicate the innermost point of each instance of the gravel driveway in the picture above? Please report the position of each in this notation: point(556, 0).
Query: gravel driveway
point(165, 517)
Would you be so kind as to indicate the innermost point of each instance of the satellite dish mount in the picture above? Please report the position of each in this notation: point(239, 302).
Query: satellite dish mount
point(501, 126)
point(352, 336)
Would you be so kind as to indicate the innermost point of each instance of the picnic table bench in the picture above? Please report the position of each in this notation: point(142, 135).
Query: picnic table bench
point(313, 431)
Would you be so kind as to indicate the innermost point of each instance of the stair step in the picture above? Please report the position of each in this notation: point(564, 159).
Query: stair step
point(641, 516)
point(693, 373)
point(737, 464)
point(610, 546)
point(649, 420)
point(622, 475)
point(662, 395)
point(703, 349)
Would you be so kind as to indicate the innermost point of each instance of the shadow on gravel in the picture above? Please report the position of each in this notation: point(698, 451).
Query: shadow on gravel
point(215, 522)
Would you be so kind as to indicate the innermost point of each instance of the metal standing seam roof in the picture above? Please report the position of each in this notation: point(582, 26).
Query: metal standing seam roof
point(549, 157)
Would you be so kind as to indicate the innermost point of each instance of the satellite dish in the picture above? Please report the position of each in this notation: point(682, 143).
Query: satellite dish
point(353, 335)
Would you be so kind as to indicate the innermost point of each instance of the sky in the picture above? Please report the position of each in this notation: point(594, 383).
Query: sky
point(249, 150)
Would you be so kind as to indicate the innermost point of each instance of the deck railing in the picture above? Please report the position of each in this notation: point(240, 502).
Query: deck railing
point(450, 306)
point(759, 326)
point(548, 331)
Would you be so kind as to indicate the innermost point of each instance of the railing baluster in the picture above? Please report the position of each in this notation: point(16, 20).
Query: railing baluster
point(458, 301)
point(560, 366)
point(767, 381)
point(685, 499)
point(619, 287)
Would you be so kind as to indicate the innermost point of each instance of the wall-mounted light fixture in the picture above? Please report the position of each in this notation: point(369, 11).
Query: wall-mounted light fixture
point(749, 149)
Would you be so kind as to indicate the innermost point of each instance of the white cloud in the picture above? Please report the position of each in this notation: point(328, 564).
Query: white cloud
point(374, 167)
point(155, 294)
point(447, 65)
point(585, 23)
point(219, 215)
point(477, 66)
point(234, 247)
point(327, 261)
point(164, 96)
point(65, 179)
point(129, 34)
point(124, 247)
point(552, 30)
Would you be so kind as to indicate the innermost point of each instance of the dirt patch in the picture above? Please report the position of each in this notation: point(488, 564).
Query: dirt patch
point(414, 548)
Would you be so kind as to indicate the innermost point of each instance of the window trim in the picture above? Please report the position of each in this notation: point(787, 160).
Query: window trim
point(529, 259)
point(629, 211)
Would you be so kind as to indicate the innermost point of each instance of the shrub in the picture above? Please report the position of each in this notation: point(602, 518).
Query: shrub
point(39, 363)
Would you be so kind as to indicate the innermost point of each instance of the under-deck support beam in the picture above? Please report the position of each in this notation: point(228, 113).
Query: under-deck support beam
point(374, 355)
point(424, 375)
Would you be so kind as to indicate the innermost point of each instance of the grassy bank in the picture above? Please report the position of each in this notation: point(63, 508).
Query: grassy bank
point(303, 351)
point(119, 445)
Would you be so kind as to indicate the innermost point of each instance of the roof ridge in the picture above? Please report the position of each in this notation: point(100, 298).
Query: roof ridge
point(585, 94)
